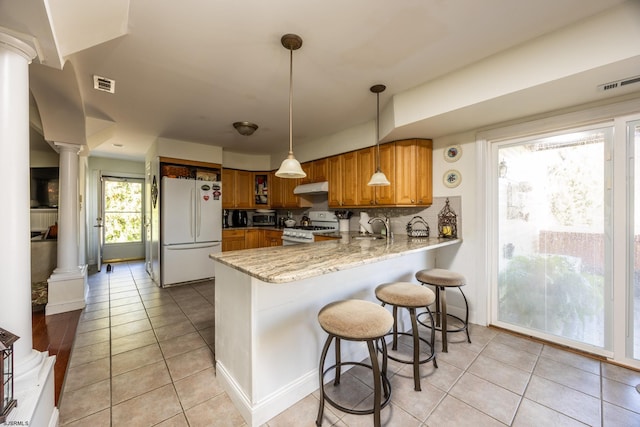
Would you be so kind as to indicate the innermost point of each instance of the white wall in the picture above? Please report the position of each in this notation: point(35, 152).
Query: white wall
point(165, 147)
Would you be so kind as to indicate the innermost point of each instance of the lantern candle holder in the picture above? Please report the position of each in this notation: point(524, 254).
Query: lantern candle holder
point(447, 222)
point(7, 402)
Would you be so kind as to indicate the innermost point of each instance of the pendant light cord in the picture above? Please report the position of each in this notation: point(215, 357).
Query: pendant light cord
point(378, 130)
point(291, 102)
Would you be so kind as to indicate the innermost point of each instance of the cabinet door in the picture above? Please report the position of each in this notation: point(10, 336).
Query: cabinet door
point(232, 240)
point(272, 238)
point(366, 168)
point(252, 239)
point(320, 170)
point(386, 195)
point(275, 191)
point(335, 181)
point(290, 200)
point(307, 167)
point(406, 175)
point(350, 179)
point(244, 189)
point(228, 189)
point(424, 172)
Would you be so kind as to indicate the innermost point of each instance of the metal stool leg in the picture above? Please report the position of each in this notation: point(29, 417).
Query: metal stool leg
point(416, 350)
point(443, 316)
point(336, 381)
point(466, 317)
point(377, 392)
point(323, 356)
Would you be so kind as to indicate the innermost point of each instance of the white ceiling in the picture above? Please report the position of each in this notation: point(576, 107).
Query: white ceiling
point(187, 70)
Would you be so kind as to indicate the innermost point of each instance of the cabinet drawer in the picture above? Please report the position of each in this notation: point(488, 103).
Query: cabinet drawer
point(230, 234)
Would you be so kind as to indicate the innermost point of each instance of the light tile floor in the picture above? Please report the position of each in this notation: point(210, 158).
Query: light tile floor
point(143, 356)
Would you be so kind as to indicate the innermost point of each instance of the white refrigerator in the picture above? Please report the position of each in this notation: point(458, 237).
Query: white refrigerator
point(191, 218)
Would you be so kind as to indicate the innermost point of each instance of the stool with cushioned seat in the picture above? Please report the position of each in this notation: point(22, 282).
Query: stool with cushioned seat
point(356, 320)
point(442, 279)
point(410, 296)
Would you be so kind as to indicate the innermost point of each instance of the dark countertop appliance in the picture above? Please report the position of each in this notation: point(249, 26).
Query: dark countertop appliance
point(239, 218)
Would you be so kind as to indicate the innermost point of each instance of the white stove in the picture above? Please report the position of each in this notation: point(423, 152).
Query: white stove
point(321, 222)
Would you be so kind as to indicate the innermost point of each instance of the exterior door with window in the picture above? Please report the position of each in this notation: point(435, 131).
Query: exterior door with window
point(122, 213)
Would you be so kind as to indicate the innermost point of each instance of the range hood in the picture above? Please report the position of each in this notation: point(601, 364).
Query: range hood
point(313, 188)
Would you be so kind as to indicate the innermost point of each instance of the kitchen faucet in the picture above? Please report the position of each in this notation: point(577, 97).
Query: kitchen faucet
point(387, 225)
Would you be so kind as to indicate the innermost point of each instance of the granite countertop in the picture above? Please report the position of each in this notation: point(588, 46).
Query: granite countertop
point(284, 264)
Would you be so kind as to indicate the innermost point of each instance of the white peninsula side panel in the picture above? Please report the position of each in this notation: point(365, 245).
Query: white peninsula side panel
point(268, 340)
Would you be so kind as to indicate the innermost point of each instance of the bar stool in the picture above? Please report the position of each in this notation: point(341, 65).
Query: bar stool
point(356, 320)
point(442, 279)
point(410, 296)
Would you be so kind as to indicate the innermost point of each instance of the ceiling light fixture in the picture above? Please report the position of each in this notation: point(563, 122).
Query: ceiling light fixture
point(290, 167)
point(245, 128)
point(378, 179)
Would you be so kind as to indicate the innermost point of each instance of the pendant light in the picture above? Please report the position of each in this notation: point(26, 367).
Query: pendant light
point(290, 167)
point(378, 179)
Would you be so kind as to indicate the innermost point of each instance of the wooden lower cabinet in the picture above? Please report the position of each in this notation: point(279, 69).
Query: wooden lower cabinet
point(253, 239)
point(233, 240)
point(321, 238)
point(272, 238)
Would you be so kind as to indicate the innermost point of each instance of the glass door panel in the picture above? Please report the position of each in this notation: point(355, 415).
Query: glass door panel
point(551, 236)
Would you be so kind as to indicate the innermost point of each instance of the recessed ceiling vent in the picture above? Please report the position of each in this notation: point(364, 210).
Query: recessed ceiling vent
point(104, 84)
point(619, 83)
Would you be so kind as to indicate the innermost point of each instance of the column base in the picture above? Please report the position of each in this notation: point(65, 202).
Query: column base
point(67, 291)
point(34, 392)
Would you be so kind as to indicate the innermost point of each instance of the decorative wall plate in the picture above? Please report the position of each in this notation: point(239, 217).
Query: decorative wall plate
point(452, 178)
point(452, 153)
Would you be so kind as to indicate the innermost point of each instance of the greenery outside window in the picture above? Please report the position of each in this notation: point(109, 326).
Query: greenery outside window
point(122, 210)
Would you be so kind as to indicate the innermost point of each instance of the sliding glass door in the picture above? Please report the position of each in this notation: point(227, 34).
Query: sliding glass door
point(552, 240)
point(633, 291)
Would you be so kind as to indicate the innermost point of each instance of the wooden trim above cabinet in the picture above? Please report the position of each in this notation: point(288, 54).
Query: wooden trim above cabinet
point(190, 163)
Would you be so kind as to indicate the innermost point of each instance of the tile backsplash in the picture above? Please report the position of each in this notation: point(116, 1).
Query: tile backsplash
point(400, 217)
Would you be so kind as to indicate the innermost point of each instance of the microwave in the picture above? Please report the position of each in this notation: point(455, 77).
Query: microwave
point(258, 219)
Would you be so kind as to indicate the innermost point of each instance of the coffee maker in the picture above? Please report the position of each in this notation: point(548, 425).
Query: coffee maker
point(239, 218)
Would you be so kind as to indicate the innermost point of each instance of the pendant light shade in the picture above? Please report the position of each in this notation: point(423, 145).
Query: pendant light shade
point(378, 179)
point(290, 167)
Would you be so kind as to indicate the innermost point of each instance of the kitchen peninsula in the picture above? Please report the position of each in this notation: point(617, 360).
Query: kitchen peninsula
point(267, 338)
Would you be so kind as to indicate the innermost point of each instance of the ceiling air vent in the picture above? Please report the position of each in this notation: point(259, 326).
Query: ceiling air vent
point(619, 83)
point(104, 84)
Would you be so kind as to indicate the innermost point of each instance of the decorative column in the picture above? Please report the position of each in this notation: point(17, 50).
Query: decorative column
point(68, 283)
point(33, 370)
point(68, 209)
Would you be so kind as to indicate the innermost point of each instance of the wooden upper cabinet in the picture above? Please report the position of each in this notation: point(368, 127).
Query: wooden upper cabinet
point(275, 191)
point(387, 195)
point(366, 159)
point(281, 193)
point(244, 189)
point(350, 179)
point(413, 172)
point(307, 167)
point(237, 189)
point(317, 171)
point(335, 181)
point(424, 171)
point(320, 170)
point(228, 189)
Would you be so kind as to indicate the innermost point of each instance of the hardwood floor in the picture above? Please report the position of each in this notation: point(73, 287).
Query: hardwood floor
point(55, 334)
